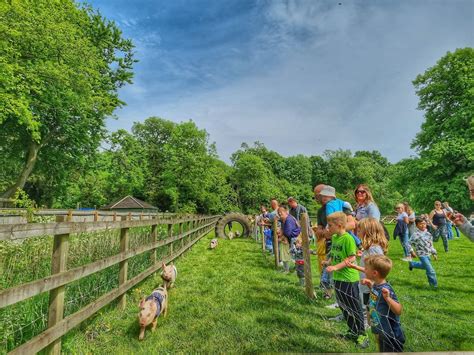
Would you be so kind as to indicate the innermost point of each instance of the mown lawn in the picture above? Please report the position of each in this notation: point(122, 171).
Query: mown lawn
point(232, 300)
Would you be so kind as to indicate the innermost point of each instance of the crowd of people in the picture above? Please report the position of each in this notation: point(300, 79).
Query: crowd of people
point(351, 248)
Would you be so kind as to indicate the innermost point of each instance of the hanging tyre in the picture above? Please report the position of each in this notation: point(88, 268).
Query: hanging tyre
point(233, 225)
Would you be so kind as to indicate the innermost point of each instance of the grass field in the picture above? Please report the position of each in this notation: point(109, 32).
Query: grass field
point(232, 300)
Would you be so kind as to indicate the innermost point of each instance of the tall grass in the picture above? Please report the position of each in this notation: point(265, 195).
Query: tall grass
point(26, 261)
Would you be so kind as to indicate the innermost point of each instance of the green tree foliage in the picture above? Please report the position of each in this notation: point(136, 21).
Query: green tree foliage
point(60, 67)
point(446, 140)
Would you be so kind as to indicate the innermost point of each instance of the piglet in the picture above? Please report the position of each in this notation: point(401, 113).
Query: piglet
point(151, 308)
point(237, 233)
point(168, 274)
point(213, 244)
point(231, 235)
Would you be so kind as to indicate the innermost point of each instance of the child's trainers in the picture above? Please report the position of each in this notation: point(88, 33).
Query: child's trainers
point(410, 266)
point(363, 341)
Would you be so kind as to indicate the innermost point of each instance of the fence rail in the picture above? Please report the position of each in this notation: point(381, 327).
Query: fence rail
point(190, 230)
point(20, 215)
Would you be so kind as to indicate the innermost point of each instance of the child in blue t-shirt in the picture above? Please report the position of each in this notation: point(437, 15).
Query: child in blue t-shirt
point(384, 308)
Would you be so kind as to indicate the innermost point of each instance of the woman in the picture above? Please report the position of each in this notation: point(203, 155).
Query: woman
point(438, 216)
point(401, 230)
point(411, 219)
point(365, 205)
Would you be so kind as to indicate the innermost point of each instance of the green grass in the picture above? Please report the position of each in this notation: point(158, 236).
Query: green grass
point(232, 300)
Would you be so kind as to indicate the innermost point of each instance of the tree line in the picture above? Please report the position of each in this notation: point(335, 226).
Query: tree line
point(61, 65)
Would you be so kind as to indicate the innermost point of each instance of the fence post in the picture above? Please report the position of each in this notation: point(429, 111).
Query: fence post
point(153, 240)
point(123, 264)
point(180, 232)
point(56, 296)
point(308, 279)
point(263, 238)
point(170, 234)
point(275, 243)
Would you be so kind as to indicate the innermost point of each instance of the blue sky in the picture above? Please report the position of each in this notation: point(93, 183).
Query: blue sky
point(299, 76)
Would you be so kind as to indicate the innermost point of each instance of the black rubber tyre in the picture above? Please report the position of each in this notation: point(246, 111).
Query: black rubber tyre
point(233, 217)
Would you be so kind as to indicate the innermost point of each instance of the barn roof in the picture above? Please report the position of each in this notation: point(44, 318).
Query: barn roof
point(129, 202)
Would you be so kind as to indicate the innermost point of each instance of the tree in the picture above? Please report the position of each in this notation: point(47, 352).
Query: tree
point(60, 67)
point(446, 93)
point(446, 140)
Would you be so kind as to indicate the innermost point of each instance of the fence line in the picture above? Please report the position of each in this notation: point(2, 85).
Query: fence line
point(196, 228)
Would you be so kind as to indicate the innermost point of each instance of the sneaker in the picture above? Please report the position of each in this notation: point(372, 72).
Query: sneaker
point(333, 306)
point(326, 296)
point(363, 341)
point(410, 267)
point(407, 258)
point(338, 318)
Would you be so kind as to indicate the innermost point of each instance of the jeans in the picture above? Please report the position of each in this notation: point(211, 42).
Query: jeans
point(326, 279)
point(449, 227)
point(456, 229)
point(442, 232)
point(405, 243)
point(425, 264)
point(347, 295)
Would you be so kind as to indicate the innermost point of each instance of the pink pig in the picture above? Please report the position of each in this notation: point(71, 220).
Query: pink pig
point(151, 308)
point(168, 274)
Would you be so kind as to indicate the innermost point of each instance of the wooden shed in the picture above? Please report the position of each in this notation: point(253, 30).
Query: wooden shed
point(130, 204)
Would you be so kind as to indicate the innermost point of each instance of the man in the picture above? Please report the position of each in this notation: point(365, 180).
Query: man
point(289, 231)
point(296, 210)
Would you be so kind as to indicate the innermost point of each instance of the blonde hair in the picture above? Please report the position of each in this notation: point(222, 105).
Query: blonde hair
point(368, 193)
point(408, 208)
point(373, 233)
point(338, 218)
point(379, 263)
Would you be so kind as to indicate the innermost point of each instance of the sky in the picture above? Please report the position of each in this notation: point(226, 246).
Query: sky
point(299, 76)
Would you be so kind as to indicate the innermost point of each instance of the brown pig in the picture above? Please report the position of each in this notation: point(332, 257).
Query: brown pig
point(151, 308)
point(168, 274)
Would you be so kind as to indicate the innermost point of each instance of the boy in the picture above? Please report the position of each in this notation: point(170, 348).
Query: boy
point(346, 280)
point(422, 242)
point(297, 252)
point(384, 307)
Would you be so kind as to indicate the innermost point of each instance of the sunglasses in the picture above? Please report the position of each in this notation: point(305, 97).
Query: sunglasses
point(361, 192)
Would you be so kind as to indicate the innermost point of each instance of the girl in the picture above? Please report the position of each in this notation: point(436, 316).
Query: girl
point(401, 230)
point(374, 242)
point(411, 219)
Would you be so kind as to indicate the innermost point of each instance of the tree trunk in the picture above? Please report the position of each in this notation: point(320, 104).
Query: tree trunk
point(33, 150)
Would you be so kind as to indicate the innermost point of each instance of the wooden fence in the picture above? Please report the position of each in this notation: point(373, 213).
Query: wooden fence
point(19, 215)
point(189, 230)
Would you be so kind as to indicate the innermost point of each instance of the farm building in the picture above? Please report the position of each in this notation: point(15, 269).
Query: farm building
point(129, 204)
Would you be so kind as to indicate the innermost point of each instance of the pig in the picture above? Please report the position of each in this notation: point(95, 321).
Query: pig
point(231, 235)
point(168, 274)
point(213, 244)
point(237, 233)
point(151, 308)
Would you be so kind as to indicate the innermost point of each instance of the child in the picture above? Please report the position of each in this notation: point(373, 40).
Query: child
point(401, 230)
point(422, 241)
point(267, 232)
point(284, 246)
point(346, 280)
point(384, 307)
point(374, 242)
point(320, 249)
point(297, 252)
